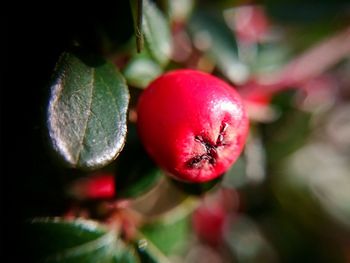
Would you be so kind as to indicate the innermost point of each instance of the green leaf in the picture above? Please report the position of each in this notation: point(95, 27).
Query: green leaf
point(137, 182)
point(269, 57)
point(166, 228)
point(148, 252)
point(126, 253)
point(157, 33)
point(212, 35)
point(141, 70)
point(87, 111)
point(169, 237)
point(59, 240)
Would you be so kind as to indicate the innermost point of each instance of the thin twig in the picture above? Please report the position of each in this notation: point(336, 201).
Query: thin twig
point(139, 35)
point(311, 63)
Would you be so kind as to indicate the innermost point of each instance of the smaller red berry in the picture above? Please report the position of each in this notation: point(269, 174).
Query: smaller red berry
point(100, 186)
point(250, 23)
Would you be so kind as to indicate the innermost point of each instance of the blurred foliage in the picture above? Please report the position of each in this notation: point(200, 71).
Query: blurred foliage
point(135, 179)
point(169, 237)
point(287, 197)
point(64, 241)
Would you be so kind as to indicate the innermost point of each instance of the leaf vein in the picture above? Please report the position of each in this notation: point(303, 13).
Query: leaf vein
point(81, 143)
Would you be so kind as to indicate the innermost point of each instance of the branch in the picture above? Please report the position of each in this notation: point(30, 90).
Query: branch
point(310, 64)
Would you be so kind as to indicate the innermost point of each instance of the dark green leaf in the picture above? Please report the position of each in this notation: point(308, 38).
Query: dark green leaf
point(211, 35)
point(141, 70)
point(87, 111)
point(136, 182)
point(59, 240)
point(157, 33)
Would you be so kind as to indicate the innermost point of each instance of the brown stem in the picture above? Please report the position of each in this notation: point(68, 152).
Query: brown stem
point(311, 63)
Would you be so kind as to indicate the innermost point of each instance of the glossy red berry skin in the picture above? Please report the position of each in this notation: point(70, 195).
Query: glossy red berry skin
point(192, 124)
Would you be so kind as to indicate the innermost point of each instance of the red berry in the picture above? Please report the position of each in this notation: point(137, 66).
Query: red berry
point(97, 186)
point(192, 124)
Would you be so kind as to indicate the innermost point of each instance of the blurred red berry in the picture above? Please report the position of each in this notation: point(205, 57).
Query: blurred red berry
point(249, 22)
point(100, 186)
point(208, 222)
